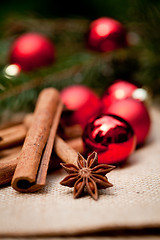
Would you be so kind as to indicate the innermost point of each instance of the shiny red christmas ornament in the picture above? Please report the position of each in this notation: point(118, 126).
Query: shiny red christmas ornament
point(31, 51)
point(106, 34)
point(111, 136)
point(135, 113)
point(117, 91)
point(82, 103)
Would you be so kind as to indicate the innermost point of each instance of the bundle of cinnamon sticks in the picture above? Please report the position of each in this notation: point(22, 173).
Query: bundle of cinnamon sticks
point(26, 148)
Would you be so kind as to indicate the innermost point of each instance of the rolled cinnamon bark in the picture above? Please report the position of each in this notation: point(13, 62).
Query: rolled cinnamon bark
point(70, 132)
point(9, 152)
point(8, 163)
point(66, 151)
point(76, 144)
point(12, 136)
point(32, 167)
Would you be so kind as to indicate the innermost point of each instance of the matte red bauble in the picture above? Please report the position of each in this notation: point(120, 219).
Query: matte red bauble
point(31, 51)
point(106, 34)
point(117, 91)
point(82, 103)
point(136, 114)
point(110, 136)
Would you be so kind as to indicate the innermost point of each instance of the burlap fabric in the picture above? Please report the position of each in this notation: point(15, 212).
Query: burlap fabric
point(133, 202)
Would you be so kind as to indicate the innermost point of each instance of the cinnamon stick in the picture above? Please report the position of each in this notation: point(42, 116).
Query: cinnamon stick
point(9, 152)
point(32, 167)
point(12, 136)
point(8, 163)
point(70, 132)
point(8, 157)
point(66, 151)
point(76, 144)
point(74, 131)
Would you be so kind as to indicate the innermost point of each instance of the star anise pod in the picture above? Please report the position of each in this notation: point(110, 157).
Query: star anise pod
point(88, 174)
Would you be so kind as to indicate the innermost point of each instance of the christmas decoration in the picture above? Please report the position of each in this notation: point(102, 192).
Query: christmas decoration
point(119, 90)
point(81, 102)
point(73, 58)
point(141, 94)
point(135, 113)
point(111, 136)
point(106, 34)
point(31, 51)
point(12, 71)
point(87, 174)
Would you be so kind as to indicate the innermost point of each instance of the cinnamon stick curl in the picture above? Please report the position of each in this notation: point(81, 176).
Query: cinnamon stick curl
point(32, 167)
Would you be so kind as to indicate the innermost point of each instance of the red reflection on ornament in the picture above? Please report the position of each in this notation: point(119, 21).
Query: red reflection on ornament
point(31, 51)
point(110, 136)
point(82, 102)
point(117, 91)
point(135, 113)
point(106, 34)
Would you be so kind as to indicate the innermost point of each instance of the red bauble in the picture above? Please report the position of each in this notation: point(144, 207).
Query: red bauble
point(117, 91)
point(106, 34)
point(135, 113)
point(82, 103)
point(110, 136)
point(31, 51)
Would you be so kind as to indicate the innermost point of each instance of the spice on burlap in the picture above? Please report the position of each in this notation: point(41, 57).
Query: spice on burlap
point(87, 174)
point(33, 162)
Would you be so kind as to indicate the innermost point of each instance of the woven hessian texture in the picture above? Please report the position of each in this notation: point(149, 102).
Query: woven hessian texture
point(133, 202)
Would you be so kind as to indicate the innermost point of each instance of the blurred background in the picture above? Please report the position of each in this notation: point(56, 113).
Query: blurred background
point(66, 24)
